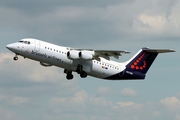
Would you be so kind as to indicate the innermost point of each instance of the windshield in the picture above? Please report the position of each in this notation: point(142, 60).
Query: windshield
point(21, 41)
point(25, 42)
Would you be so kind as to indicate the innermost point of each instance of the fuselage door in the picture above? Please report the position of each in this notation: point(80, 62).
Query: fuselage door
point(37, 45)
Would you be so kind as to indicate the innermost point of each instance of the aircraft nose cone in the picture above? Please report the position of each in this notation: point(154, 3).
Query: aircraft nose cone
point(10, 46)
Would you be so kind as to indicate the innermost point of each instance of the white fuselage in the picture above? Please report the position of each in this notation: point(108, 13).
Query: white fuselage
point(49, 54)
point(85, 62)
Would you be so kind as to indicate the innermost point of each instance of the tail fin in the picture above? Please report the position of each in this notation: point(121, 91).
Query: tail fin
point(142, 61)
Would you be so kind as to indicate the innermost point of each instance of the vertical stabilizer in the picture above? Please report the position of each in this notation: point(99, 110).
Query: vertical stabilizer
point(142, 61)
point(139, 64)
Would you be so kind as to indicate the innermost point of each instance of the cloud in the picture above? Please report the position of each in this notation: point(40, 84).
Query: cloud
point(27, 75)
point(24, 83)
point(150, 24)
point(15, 101)
point(80, 98)
point(26, 87)
point(81, 102)
point(128, 92)
point(125, 104)
point(6, 114)
point(27, 69)
point(104, 90)
point(171, 103)
point(64, 99)
point(19, 100)
point(90, 24)
point(61, 22)
point(171, 107)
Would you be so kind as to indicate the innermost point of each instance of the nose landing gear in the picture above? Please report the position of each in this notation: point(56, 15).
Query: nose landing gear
point(15, 57)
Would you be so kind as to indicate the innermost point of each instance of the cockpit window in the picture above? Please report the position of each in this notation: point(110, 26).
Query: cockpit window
point(25, 42)
point(21, 41)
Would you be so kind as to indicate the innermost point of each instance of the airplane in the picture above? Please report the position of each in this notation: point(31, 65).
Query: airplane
point(86, 62)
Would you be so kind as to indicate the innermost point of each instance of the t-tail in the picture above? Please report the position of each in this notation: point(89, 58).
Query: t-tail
point(140, 63)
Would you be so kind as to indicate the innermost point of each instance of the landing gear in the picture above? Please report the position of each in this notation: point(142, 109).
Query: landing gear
point(80, 71)
point(69, 75)
point(15, 57)
point(83, 74)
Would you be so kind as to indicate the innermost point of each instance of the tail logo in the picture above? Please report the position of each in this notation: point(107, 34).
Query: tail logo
point(136, 65)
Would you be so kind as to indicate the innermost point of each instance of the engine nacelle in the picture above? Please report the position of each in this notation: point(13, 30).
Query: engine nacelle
point(85, 55)
point(73, 54)
point(45, 64)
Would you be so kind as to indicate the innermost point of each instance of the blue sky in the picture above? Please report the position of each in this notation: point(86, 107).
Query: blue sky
point(30, 91)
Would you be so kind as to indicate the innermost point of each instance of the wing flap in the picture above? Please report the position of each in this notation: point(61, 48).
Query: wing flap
point(108, 53)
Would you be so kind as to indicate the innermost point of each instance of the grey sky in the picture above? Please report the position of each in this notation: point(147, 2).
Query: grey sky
point(30, 91)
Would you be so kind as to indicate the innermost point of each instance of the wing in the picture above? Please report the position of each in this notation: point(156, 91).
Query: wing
point(109, 53)
point(102, 53)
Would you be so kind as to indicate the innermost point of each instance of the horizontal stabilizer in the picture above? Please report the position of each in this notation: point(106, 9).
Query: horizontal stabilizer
point(158, 50)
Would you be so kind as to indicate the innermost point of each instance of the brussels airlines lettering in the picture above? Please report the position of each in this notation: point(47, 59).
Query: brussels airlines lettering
point(39, 54)
point(45, 56)
point(96, 63)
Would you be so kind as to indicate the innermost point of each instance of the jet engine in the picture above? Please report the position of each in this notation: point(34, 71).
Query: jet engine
point(73, 54)
point(85, 55)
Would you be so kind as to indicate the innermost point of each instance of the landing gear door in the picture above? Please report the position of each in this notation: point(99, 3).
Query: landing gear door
point(37, 45)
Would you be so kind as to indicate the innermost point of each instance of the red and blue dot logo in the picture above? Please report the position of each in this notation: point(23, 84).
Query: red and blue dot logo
point(136, 63)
